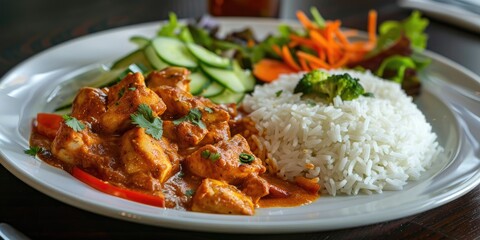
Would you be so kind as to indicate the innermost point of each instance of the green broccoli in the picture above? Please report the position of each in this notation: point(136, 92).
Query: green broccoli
point(308, 80)
point(320, 84)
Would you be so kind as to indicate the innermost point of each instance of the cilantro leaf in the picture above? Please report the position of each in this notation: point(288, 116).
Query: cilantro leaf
point(73, 123)
point(121, 92)
point(144, 118)
point(33, 150)
point(207, 109)
point(278, 93)
point(194, 116)
point(214, 156)
point(189, 192)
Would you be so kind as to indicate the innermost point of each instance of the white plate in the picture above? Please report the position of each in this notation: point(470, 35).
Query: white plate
point(449, 100)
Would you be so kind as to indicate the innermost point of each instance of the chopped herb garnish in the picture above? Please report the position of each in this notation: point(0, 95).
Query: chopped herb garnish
point(207, 109)
point(144, 118)
point(121, 92)
point(73, 123)
point(194, 116)
point(206, 154)
point(33, 150)
point(311, 103)
point(189, 192)
point(279, 93)
point(246, 158)
point(368, 94)
point(214, 156)
point(132, 88)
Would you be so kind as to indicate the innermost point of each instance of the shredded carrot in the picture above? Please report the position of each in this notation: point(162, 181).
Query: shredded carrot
point(372, 26)
point(304, 20)
point(343, 60)
point(277, 50)
point(250, 43)
point(313, 60)
point(268, 70)
point(332, 47)
point(287, 57)
point(304, 64)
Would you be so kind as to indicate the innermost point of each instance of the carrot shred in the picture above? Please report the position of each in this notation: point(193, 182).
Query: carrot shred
point(268, 70)
point(313, 60)
point(342, 62)
point(304, 20)
point(372, 26)
point(304, 64)
point(333, 47)
point(277, 50)
point(287, 57)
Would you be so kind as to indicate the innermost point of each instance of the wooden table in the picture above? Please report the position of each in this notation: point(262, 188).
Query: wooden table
point(28, 27)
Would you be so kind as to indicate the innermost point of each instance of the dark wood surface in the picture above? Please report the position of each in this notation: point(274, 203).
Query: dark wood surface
point(29, 27)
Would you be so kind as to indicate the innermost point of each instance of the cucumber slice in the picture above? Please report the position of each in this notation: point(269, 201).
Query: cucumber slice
point(198, 82)
point(212, 90)
point(140, 41)
point(225, 77)
point(153, 58)
point(208, 57)
point(136, 57)
point(228, 96)
point(174, 52)
point(245, 76)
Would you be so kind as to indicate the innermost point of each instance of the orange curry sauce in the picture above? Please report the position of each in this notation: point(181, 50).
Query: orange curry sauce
point(182, 183)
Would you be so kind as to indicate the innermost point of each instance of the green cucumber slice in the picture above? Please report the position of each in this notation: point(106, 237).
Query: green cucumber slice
point(228, 96)
point(208, 57)
point(245, 76)
point(135, 57)
point(174, 52)
point(212, 90)
point(153, 58)
point(225, 77)
point(198, 82)
point(140, 41)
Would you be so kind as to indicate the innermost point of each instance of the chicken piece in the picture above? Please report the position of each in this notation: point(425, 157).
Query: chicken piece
point(89, 105)
point(222, 161)
point(132, 80)
point(186, 134)
point(83, 148)
point(178, 102)
point(255, 187)
point(148, 161)
point(213, 196)
point(217, 132)
point(170, 76)
point(124, 99)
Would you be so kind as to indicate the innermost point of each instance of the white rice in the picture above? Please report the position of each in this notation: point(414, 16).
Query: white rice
point(366, 145)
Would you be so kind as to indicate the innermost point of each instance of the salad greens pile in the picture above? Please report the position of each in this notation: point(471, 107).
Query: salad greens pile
point(221, 67)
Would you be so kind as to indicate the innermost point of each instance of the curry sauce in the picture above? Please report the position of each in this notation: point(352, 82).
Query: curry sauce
point(196, 161)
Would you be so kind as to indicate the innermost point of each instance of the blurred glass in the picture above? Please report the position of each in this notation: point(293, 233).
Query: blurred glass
point(244, 8)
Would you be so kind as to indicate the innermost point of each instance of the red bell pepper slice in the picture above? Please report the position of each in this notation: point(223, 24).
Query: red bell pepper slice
point(48, 124)
point(105, 187)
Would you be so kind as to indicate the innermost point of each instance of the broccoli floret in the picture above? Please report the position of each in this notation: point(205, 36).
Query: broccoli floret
point(343, 85)
point(305, 85)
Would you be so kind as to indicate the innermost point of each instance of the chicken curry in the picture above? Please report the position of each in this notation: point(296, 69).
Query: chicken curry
point(150, 135)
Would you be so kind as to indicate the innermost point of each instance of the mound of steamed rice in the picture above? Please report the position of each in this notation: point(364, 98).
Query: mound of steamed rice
point(366, 145)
